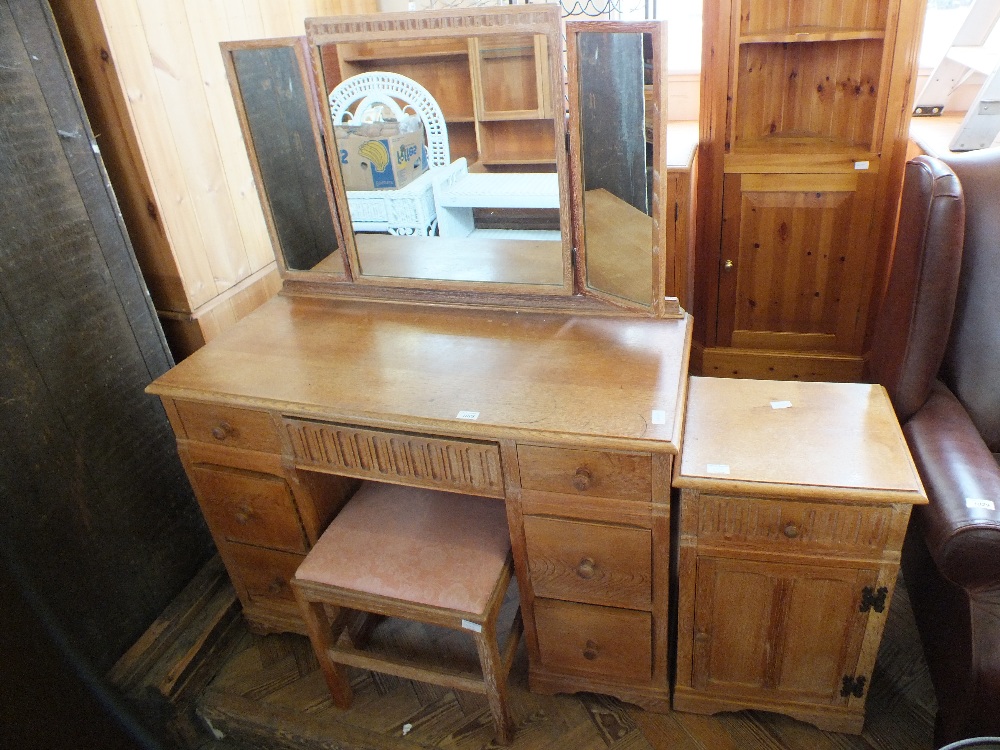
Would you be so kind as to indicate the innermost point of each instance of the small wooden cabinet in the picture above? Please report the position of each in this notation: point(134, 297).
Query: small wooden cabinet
point(794, 503)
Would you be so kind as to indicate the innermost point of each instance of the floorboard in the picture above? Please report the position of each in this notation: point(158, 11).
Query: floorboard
point(270, 694)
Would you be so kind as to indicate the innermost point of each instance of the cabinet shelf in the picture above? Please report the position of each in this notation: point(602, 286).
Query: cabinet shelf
point(503, 162)
point(404, 57)
point(799, 143)
point(811, 34)
point(513, 114)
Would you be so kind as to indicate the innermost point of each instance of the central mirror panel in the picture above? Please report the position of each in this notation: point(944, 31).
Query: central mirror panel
point(446, 140)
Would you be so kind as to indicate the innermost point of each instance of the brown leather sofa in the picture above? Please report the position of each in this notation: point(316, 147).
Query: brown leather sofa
point(936, 348)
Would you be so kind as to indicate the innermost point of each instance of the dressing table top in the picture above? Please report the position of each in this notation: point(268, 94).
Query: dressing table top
point(615, 381)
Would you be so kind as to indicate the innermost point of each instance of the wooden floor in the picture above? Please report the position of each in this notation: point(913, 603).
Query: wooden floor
point(269, 693)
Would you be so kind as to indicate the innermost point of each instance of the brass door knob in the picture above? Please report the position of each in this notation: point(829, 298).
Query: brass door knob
point(728, 264)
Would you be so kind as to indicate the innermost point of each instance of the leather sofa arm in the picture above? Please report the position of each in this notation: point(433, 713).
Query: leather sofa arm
point(959, 474)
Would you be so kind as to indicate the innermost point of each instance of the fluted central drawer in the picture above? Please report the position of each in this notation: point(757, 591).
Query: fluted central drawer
point(471, 466)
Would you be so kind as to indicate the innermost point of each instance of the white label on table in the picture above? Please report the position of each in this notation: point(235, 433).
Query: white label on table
point(861, 165)
point(781, 404)
point(975, 502)
point(718, 468)
point(474, 626)
point(659, 416)
point(468, 415)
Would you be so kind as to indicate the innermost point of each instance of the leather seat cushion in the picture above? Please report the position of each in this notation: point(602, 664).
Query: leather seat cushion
point(418, 545)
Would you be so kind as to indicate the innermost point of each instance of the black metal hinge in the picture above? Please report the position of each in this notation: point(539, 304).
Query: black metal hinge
point(873, 599)
point(853, 686)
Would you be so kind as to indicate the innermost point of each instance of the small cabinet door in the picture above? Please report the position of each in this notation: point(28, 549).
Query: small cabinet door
point(795, 260)
point(794, 631)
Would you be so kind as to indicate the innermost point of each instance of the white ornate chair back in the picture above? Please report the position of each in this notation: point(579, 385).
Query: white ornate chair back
point(375, 92)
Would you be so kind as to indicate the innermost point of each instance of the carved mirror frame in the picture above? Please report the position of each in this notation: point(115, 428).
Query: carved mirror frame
point(574, 292)
point(661, 266)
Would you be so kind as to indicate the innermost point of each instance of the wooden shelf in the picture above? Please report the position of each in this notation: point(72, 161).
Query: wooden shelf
point(403, 57)
point(811, 34)
point(494, 162)
point(513, 114)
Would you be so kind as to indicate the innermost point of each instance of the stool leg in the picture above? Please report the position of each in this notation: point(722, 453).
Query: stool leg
point(496, 682)
point(322, 637)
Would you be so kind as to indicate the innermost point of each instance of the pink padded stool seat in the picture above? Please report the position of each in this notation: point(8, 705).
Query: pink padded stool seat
point(434, 557)
point(419, 545)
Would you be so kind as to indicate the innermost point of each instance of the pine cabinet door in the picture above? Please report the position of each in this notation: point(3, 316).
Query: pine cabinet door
point(795, 260)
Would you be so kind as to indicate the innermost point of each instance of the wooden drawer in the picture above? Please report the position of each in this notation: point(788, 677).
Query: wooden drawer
point(261, 574)
point(792, 526)
point(589, 562)
point(471, 466)
point(249, 507)
point(229, 426)
point(583, 638)
point(584, 472)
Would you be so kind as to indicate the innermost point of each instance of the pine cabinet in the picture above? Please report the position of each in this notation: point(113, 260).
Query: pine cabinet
point(804, 137)
point(794, 503)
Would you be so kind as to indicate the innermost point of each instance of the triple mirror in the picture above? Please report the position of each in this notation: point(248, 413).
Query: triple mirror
point(428, 151)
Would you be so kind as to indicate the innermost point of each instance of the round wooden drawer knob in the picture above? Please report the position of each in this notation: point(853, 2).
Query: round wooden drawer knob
point(590, 651)
point(222, 430)
point(243, 515)
point(791, 531)
point(583, 479)
point(586, 568)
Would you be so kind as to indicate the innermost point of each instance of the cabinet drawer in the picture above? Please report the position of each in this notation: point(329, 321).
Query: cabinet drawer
point(249, 507)
point(627, 476)
point(792, 525)
point(613, 643)
point(589, 562)
point(261, 574)
point(229, 426)
point(471, 466)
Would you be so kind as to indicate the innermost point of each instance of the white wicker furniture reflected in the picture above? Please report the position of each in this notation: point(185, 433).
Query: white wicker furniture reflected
point(374, 96)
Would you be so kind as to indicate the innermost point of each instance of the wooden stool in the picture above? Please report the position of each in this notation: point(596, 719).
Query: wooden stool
point(434, 557)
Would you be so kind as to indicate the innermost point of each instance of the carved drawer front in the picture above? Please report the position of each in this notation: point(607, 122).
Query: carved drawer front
point(793, 526)
point(245, 506)
point(606, 642)
point(470, 466)
point(589, 562)
point(627, 476)
point(262, 573)
point(229, 426)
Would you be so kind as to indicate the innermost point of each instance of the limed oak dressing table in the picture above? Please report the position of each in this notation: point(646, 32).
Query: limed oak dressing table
point(572, 420)
point(515, 368)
